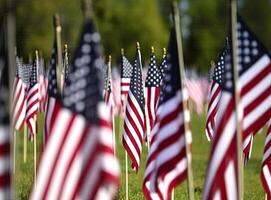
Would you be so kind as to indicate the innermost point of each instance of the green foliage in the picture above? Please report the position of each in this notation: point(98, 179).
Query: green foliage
point(123, 22)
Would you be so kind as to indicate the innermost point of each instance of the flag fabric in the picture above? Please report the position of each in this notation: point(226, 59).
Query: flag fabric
point(152, 85)
point(78, 160)
point(254, 107)
point(52, 94)
point(5, 140)
point(255, 83)
point(134, 120)
point(167, 161)
point(221, 178)
point(108, 94)
point(18, 98)
point(125, 79)
point(32, 105)
point(214, 95)
point(266, 163)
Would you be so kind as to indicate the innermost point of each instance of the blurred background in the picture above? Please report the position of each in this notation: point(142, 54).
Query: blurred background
point(123, 22)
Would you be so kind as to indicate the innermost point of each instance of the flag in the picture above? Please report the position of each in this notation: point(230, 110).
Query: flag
point(125, 79)
point(214, 95)
point(266, 163)
point(255, 84)
point(52, 94)
point(167, 162)
point(221, 178)
point(134, 121)
point(5, 155)
point(78, 160)
point(18, 98)
point(32, 105)
point(152, 85)
point(108, 95)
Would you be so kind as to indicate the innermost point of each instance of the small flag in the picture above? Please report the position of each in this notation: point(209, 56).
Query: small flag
point(152, 85)
point(32, 105)
point(167, 161)
point(18, 98)
point(214, 95)
point(134, 121)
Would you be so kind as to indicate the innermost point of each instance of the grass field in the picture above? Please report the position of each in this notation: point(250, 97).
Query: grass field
point(200, 153)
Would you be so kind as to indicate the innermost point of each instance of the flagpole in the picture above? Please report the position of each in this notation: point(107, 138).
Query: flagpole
point(126, 177)
point(234, 45)
point(122, 105)
point(59, 52)
point(25, 142)
point(186, 126)
point(14, 130)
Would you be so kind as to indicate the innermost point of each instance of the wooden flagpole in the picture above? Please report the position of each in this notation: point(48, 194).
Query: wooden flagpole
point(126, 177)
point(25, 142)
point(234, 52)
point(59, 61)
point(186, 127)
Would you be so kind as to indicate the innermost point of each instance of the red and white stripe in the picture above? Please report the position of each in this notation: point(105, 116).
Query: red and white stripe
point(124, 89)
point(49, 116)
point(42, 92)
point(255, 93)
point(152, 100)
point(78, 160)
point(134, 129)
point(266, 163)
point(214, 97)
point(167, 161)
point(32, 107)
point(5, 163)
point(221, 178)
point(18, 103)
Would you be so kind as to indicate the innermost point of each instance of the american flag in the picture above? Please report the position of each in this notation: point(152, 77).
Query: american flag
point(266, 163)
point(152, 85)
point(134, 121)
point(78, 160)
point(255, 76)
point(52, 94)
point(126, 73)
point(108, 95)
point(254, 81)
point(18, 98)
point(221, 178)
point(167, 162)
point(5, 159)
point(214, 95)
point(32, 105)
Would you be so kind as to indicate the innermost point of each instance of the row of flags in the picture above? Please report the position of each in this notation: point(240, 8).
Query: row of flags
point(78, 159)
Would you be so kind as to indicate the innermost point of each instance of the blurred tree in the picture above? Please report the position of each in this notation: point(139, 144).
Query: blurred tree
point(258, 17)
point(207, 31)
point(121, 24)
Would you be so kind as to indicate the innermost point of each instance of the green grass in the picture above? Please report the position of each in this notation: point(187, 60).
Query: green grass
point(200, 155)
